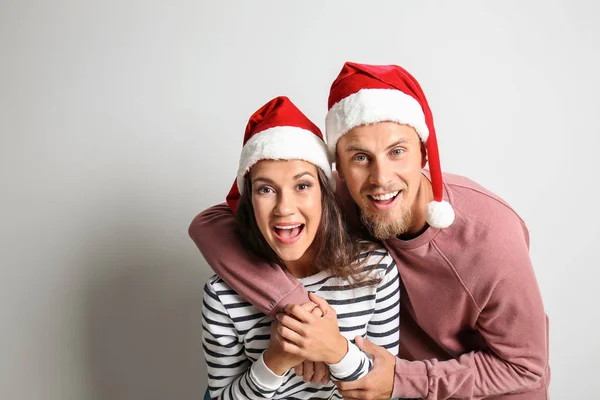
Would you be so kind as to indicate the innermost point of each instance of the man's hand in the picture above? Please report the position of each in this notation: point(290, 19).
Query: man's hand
point(379, 382)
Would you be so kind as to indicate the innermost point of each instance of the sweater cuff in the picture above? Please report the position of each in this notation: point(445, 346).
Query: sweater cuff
point(347, 365)
point(263, 377)
point(297, 296)
point(410, 379)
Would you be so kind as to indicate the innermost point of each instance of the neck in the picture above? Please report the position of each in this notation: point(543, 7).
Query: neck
point(304, 266)
point(419, 209)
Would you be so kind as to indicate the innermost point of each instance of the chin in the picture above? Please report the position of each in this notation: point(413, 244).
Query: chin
point(381, 214)
point(293, 255)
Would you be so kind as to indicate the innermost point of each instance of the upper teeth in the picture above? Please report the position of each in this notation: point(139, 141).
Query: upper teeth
point(288, 227)
point(386, 196)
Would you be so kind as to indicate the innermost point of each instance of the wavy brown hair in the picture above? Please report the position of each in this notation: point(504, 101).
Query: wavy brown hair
point(336, 250)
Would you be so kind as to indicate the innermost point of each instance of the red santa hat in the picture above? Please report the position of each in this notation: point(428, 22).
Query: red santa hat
point(366, 94)
point(279, 131)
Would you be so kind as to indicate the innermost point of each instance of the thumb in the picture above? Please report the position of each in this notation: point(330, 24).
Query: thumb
point(321, 302)
point(367, 346)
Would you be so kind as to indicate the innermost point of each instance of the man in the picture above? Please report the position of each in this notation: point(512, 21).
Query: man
point(472, 320)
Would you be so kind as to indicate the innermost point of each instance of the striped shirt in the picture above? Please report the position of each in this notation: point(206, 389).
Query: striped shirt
point(235, 334)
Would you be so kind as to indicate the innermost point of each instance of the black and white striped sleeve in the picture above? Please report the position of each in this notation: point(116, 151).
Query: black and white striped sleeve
point(354, 365)
point(231, 375)
point(384, 326)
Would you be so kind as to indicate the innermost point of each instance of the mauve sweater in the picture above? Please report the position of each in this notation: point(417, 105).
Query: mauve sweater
point(472, 322)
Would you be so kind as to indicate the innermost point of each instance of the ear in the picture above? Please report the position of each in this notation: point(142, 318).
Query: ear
point(423, 154)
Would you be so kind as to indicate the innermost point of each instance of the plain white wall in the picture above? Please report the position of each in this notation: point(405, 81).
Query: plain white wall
point(121, 120)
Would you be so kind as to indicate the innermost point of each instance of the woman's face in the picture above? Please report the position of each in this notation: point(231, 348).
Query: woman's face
point(286, 197)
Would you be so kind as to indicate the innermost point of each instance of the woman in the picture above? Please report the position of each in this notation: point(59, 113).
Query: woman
point(288, 214)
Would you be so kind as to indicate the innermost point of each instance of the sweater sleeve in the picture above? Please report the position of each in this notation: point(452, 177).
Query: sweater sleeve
point(266, 286)
point(382, 329)
point(512, 321)
point(384, 325)
point(231, 375)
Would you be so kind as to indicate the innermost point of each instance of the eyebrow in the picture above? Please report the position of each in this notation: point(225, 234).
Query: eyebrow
point(301, 174)
point(355, 147)
point(269, 181)
point(259, 178)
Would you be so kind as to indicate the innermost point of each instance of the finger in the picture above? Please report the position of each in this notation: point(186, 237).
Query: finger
point(318, 372)
point(289, 335)
point(321, 371)
point(308, 306)
point(308, 370)
point(291, 348)
point(313, 309)
point(278, 338)
point(349, 394)
point(299, 369)
point(368, 347)
point(317, 312)
point(350, 386)
point(299, 312)
point(354, 395)
point(290, 322)
point(321, 302)
point(275, 330)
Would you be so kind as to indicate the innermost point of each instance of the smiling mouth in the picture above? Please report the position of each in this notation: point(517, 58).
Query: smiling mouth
point(384, 198)
point(288, 234)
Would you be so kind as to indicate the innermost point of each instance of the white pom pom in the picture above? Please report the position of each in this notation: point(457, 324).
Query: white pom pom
point(440, 214)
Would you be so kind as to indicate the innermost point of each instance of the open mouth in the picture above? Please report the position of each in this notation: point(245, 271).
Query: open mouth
point(288, 234)
point(384, 201)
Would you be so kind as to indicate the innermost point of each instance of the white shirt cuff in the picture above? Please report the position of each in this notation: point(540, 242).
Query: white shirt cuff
point(263, 377)
point(348, 363)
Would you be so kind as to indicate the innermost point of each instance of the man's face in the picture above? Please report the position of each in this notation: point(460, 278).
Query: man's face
point(381, 164)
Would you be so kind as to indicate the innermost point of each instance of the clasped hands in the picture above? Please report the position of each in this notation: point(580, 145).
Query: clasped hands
point(307, 338)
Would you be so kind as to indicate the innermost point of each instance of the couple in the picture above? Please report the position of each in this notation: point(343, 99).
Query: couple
point(472, 323)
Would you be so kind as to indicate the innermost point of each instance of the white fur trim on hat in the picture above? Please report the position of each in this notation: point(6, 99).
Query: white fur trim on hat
point(284, 143)
point(439, 214)
point(369, 106)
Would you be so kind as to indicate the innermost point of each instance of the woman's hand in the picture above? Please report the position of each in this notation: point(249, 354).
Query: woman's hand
point(310, 371)
point(311, 337)
point(275, 357)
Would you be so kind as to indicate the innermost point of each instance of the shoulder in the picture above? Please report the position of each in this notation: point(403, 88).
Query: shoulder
point(214, 283)
point(480, 213)
point(488, 242)
point(217, 290)
point(465, 192)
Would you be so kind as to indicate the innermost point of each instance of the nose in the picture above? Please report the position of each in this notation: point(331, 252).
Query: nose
point(285, 204)
point(379, 174)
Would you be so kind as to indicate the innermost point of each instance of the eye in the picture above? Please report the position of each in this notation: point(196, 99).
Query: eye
point(265, 190)
point(360, 158)
point(397, 152)
point(303, 186)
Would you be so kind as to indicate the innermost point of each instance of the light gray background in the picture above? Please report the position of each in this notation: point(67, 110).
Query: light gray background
point(121, 120)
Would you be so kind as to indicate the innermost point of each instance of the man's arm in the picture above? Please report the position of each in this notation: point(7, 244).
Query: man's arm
point(266, 286)
point(512, 321)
